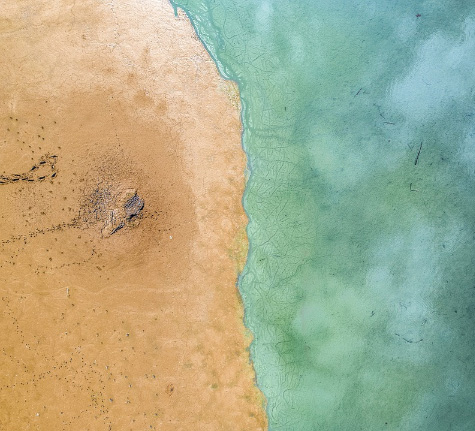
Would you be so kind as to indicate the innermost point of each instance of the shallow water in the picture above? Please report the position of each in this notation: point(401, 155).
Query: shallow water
point(359, 126)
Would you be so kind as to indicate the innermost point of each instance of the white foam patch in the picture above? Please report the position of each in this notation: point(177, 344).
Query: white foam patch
point(298, 48)
point(406, 28)
point(404, 278)
point(404, 267)
point(442, 73)
point(264, 16)
point(332, 160)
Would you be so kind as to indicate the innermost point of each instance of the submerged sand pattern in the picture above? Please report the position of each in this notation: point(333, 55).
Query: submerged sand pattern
point(113, 114)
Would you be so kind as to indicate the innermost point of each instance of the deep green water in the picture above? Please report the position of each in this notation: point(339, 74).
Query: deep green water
point(360, 282)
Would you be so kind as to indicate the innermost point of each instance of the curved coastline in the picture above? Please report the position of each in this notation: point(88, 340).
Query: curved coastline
point(227, 74)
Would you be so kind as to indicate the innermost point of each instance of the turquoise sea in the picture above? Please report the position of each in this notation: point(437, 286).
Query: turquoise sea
point(359, 127)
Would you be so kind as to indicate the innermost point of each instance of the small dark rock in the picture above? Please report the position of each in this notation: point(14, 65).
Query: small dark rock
point(133, 206)
point(128, 206)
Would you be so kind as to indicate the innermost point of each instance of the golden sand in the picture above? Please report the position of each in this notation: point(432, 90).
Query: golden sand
point(140, 328)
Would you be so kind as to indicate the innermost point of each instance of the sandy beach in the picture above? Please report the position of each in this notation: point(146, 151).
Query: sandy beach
point(118, 315)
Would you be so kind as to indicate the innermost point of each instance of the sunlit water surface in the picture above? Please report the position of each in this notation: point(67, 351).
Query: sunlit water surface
point(359, 127)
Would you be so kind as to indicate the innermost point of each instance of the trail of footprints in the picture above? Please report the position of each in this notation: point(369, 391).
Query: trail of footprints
point(44, 169)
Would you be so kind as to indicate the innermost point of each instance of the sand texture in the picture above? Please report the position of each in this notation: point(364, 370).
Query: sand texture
point(121, 225)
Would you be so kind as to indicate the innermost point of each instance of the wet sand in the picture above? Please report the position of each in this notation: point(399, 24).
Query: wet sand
point(140, 329)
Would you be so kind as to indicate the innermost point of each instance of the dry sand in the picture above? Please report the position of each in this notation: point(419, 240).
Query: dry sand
point(141, 329)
